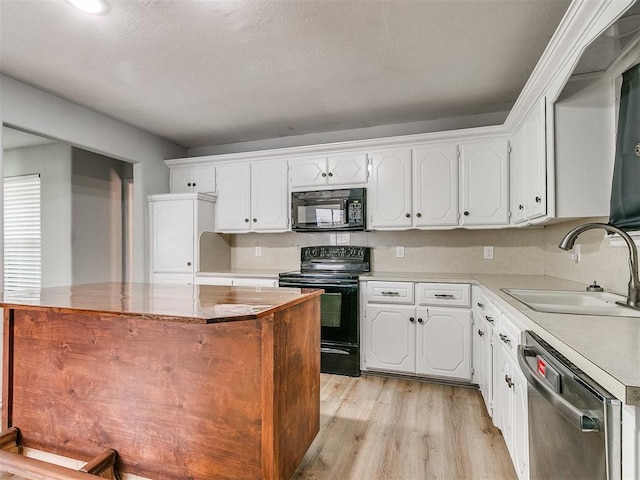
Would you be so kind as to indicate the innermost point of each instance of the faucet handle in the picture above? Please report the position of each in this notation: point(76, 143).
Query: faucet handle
point(594, 287)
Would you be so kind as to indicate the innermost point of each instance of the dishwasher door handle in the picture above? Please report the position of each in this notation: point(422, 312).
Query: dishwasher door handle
point(581, 419)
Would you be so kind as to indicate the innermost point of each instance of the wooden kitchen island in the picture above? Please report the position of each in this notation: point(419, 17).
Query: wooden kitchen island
point(183, 381)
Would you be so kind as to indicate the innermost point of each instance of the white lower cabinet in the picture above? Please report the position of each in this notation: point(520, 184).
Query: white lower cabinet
point(235, 281)
point(511, 408)
point(414, 339)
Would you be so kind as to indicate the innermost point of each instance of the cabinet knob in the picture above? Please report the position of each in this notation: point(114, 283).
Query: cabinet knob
point(330, 174)
point(418, 214)
point(480, 333)
point(507, 379)
point(465, 213)
point(481, 305)
point(194, 184)
point(255, 220)
point(188, 264)
point(411, 319)
point(538, 199)
point(324, 174)
point(420, 320)
point(246, 220)
point(189, 184)
point(407, 215)
point(520, 207)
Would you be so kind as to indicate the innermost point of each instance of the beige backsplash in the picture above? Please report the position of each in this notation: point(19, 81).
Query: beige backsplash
point(516, 251)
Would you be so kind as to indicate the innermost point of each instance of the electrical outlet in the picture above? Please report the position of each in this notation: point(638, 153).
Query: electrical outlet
point(258, 251)
point(488, 253)
point(343, 238)
point(400, 252)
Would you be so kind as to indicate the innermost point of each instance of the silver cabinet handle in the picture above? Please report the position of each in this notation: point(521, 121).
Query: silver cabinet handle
point(444, 295)
point(390, 294)
point(489, 319)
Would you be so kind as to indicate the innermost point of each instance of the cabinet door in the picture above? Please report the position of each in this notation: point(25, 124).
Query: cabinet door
point(389, 338)
point(347, 169)
point(204, 178)
point(181, 179)
point(517, 173)
point(389, 193)
point(485, 183)
point(435, 185)
point(172, 223)
point(308, 172)
point(477, 351)
point(233, 207)
point(269, 196)
point(535, 163)
point(486, 385)
point(504, 387)
point(520, 452)
point(444, 342)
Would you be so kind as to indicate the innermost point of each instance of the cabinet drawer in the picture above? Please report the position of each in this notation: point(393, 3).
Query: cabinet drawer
point(390, 292)
point(444, 294)
point(508, 334)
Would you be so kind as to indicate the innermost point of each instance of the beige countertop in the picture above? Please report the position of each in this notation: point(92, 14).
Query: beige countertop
point(606, 348)
point(254, 273)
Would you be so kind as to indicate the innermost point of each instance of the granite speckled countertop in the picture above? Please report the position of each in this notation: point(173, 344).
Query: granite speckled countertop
point(606, 348)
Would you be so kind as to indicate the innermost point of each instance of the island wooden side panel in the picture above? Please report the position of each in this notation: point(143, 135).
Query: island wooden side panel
point(297, 384)
point(176, 400)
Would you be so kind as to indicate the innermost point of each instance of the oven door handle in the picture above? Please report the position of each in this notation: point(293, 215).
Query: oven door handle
point(316, 283)
point(581, 419)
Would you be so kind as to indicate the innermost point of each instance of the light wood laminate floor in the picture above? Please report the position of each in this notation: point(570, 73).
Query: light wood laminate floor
point(379, 428)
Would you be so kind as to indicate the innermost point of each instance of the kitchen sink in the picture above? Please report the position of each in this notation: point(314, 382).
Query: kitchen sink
point(580, 303)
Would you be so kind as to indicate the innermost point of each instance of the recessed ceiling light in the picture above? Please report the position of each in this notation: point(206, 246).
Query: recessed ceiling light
point(90, 6)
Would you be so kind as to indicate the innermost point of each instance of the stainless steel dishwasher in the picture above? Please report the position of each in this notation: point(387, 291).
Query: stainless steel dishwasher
point(574, 424)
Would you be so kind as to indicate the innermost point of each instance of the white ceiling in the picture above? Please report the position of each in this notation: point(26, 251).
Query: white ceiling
point(210, 72)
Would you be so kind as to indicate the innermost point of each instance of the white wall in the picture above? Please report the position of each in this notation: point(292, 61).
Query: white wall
point(97, 223)
point(27, 108)
point(53, 163)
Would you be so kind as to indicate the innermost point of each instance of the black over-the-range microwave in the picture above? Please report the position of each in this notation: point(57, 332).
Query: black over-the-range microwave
point(329, 210)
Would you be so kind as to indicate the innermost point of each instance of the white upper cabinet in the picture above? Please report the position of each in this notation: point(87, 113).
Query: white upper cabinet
point(177, 220)
point(269, 196)
point(529, 167)
point(348, 169)
point(252, 197)
point(193, 178)
point(435, 185)
point(389, 192)
point(484, 182)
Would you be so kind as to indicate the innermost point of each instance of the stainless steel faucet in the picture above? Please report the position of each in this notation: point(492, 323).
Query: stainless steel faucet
point(633, 294)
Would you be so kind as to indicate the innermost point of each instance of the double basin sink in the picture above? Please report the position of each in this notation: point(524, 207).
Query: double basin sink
point(570, 302)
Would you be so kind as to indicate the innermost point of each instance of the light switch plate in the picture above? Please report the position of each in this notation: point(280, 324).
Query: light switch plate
point(400, 252)
point(258, 251)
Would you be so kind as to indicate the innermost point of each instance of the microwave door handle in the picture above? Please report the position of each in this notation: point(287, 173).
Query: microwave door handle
point(581, 419)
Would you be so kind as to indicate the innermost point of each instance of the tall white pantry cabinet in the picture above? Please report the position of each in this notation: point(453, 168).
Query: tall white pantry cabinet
point(177, 220)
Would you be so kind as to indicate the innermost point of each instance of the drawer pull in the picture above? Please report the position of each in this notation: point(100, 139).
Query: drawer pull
point(444, 295)
point(481, 305)
point(489, 319)
point(390, 294)
point(505, 339)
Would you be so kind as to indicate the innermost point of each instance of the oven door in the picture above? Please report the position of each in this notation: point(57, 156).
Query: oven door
point(338, 308)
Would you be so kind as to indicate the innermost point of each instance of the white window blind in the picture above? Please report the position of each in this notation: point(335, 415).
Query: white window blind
point(22, 245)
